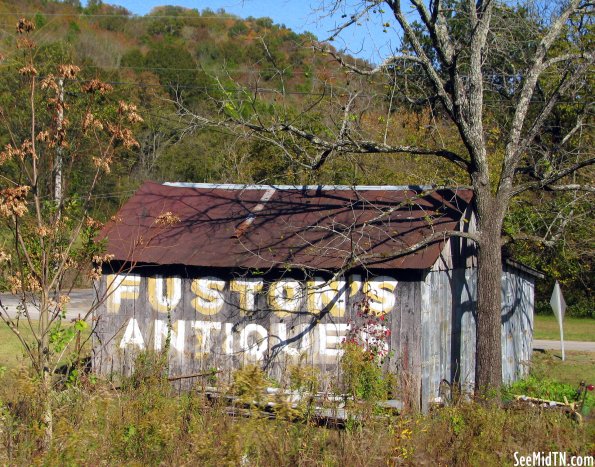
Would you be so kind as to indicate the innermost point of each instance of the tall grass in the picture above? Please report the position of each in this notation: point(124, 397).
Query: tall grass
point(145, 423)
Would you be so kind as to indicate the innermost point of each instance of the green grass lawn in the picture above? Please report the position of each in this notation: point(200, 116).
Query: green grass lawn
point(11, 352)
point(575, 329)
point(578, 366)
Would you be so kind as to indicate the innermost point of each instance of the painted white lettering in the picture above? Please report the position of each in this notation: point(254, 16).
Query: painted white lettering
point(253, 340)
point(305, 331)
point(330, 296)
point(355, 284)
point(279, 333)
point(204, 337)
point(228, 339)
point(247, 288)
point(132, 336)
point(381, 293)
point(330, 337)
point(285, 297)
point(176, 335)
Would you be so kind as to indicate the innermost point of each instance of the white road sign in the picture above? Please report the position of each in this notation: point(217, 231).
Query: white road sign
point(559, 306)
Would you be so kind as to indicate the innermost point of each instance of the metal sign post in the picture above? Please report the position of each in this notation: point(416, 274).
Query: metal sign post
point(559, 306)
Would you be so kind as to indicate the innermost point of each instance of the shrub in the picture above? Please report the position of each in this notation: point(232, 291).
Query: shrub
point(362, 375)
point(249, 383)
point(238, 29)
point(578, 307)
point(476, 434)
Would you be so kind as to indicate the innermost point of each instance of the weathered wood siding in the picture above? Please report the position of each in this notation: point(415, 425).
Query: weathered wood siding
point(406, 340)
point(216, 323)
point(448, 308)
point(517, 323)
point(431, 321)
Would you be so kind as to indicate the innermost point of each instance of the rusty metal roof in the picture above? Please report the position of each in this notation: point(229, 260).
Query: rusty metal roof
point(234, 226)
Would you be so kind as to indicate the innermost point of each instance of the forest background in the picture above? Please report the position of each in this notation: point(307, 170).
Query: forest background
point(176, 58)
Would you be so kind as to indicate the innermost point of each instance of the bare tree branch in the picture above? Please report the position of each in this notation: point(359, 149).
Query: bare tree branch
point(549, 179)
point(565, 83)
point(358, 147)
point(360, 71)
point(571, 187)
point(513, 152)
point(435, 237)
point(436, 25)
point(423, 58)
point(353, 20)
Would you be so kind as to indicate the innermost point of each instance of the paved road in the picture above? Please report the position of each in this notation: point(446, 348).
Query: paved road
point(568, 345)
point(81, 301)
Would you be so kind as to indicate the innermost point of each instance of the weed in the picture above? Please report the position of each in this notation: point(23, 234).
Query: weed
point(362, 376)
point(249, 383)
point(303, 378)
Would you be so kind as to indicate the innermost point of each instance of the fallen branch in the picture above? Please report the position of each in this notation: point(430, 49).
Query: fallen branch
point(195, 375)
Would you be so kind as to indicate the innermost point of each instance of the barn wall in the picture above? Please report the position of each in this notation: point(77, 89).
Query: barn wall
point(223, 329)
point(431, 324)
point(448, 330)
point(406, 360)
point(517, 323)
point(449, 302)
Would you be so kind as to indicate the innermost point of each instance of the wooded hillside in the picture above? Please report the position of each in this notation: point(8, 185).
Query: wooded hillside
point(176, 56)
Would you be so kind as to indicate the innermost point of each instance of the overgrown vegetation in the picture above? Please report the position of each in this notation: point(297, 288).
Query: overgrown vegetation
point(545, 388)
point(147, 422)
point(578, 366)
point(64, 129)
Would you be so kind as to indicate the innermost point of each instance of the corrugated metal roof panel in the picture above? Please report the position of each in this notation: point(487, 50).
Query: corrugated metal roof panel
point(299, 226)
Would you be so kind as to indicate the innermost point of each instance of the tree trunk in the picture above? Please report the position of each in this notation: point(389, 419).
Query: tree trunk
point(47, 416)
point(488, 369)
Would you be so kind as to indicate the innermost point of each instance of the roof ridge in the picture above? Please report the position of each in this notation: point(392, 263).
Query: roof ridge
point(237, 186)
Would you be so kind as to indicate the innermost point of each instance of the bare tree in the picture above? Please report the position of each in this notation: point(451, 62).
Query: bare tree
point(512, 81)
point(49, 224)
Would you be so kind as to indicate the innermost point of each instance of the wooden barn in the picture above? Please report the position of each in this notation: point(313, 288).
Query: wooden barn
point(283, 275)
